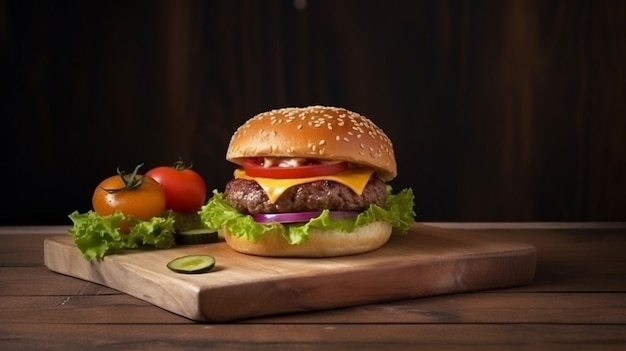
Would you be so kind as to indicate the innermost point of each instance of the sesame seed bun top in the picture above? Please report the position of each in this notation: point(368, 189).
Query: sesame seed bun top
point(321, 132)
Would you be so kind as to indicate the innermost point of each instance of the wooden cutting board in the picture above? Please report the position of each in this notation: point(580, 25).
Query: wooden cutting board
point(428, 261)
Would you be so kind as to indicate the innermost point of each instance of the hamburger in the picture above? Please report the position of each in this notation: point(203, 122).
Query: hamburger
point(310, 182)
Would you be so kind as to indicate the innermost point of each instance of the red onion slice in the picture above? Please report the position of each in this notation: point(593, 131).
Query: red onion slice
point(295, 217)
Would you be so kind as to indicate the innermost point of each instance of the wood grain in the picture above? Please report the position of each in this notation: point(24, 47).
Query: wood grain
point(499, 110)
point(318, 337)
point(575, 302)
point(428, 261)
point(494, 307)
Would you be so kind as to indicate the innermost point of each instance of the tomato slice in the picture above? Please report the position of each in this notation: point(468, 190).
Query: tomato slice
point(255, 168)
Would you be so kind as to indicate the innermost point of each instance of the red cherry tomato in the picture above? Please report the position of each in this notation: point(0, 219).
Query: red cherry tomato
point(185, 190)
point(254, 168)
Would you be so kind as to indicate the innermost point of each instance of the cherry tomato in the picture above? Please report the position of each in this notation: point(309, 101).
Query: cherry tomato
point(132, 194)
point(185, 190)
point(254, 168)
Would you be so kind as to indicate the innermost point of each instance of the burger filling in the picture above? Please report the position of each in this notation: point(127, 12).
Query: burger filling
point(248, 197)
point(295, 195)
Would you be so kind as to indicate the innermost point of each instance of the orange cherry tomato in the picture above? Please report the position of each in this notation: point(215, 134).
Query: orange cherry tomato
point(133, 194)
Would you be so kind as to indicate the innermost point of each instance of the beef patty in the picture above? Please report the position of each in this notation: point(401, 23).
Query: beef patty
point(248, 197)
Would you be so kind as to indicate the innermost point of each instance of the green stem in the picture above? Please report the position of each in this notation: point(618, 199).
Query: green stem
point(180, 165)
point(130, 181)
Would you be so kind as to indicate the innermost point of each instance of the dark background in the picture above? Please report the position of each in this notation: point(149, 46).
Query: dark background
point(499, 110)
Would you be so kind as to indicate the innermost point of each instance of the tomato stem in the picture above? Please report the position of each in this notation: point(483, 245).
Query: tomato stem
point(130, 181)
point(180, 164)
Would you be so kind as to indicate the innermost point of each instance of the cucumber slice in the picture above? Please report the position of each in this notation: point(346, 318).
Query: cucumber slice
point(195, 236)
point(192, 264)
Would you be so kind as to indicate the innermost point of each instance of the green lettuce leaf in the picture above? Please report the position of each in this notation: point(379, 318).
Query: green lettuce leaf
point(96, 236)
point(218, 213)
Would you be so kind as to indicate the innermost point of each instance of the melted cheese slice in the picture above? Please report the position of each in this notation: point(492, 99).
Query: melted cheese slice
point(355, 179)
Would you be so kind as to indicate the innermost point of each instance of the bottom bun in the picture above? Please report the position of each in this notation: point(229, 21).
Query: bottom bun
point(321, 243)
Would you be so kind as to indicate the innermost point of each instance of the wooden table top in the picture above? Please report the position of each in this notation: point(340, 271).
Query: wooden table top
point(577, 301)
